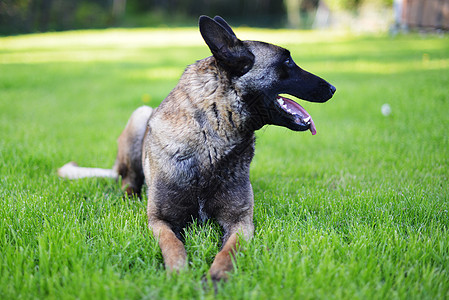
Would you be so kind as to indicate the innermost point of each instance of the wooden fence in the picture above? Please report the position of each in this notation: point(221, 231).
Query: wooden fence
point(430, 14)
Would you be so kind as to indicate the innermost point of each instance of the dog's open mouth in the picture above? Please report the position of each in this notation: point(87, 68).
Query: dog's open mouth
point(301, 116)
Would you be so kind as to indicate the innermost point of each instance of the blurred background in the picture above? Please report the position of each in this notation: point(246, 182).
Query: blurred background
point(28, 16)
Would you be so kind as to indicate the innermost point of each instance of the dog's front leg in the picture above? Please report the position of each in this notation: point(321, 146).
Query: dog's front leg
point(173, 251)
point(223, 260)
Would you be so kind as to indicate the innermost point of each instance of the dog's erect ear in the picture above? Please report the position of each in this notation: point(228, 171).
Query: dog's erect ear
point(225, 25)
point(228, 50)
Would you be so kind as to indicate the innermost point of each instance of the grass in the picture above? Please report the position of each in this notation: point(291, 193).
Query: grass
point(359, 211)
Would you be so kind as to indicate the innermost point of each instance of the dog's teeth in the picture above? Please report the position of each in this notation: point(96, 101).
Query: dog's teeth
point(281, 102)
point(306, 120)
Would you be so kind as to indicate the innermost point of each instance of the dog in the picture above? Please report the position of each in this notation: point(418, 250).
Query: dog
point(194, 150)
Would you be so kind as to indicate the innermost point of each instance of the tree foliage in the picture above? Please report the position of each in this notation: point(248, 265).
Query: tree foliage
point(355, 4)
point(20, 16)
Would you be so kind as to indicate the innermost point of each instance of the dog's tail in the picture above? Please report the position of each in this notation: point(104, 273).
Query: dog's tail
point(128, 164)
point(71, 170)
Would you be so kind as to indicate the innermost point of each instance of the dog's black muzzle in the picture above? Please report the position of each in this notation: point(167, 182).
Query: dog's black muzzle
point(307, 86)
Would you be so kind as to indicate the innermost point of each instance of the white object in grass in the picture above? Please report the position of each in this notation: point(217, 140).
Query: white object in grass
point(386, 109)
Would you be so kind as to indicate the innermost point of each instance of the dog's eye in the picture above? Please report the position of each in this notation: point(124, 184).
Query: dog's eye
point(288, 61)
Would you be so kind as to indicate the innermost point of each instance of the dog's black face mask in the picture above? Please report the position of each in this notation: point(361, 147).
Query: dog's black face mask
point(262, 72)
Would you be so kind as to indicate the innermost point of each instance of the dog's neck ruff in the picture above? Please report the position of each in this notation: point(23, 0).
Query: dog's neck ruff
point(217, 97)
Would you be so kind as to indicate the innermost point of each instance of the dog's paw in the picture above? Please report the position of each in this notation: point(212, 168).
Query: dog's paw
point(218, 275)
point(208, 283)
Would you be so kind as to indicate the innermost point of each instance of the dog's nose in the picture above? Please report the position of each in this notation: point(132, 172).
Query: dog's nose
point(333, 89)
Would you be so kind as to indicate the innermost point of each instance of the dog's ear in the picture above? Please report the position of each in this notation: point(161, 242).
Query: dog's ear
point(228, 50)
point(225, 25)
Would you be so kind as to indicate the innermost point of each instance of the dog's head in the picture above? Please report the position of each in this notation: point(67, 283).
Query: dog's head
point(260, 72)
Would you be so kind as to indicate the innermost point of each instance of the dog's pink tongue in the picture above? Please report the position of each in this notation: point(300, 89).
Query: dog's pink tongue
point(312, 127)
point(294, 108)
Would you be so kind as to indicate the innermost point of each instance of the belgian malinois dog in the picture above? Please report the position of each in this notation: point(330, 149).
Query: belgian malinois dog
point(194, 150)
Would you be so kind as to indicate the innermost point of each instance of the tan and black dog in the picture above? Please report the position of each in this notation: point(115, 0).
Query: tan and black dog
point(194, 150)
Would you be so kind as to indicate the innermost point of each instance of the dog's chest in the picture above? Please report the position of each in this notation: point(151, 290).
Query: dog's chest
point(200, 183)
point(203, 216)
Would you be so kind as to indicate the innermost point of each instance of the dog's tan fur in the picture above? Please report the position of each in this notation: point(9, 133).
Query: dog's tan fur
point(204, 89)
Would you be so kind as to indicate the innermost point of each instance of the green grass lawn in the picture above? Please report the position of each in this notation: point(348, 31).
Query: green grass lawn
point(359, 211)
